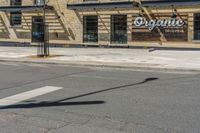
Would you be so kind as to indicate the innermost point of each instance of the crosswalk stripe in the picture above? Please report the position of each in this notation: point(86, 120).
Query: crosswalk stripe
point(28, 95)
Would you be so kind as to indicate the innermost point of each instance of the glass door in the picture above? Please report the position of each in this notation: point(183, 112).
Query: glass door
point(196, 26)
point(119, 29)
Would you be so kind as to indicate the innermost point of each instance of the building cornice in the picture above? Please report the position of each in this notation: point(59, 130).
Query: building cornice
point(23, 8)
point(102, 5)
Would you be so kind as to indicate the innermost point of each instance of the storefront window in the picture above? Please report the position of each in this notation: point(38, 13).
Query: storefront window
point(119, 29)
point(90, 29)
point(197, 26)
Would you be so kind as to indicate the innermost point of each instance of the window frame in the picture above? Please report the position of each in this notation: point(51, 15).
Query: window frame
point(85, 29)
point(15, 16)
point(196, 25)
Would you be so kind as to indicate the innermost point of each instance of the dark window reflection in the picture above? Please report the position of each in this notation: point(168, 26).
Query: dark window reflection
point(15, 17)
point(90, 29)
point(37, 29)
point(197, 26)
point(119, 29)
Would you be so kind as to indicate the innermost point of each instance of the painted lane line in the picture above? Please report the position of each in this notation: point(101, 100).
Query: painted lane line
point(28, 95)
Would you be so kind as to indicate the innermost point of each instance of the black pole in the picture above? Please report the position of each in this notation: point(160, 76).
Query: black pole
point(45, 47)
point(44, 24)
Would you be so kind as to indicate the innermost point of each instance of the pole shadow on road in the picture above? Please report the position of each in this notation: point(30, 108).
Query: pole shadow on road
point(62, 103)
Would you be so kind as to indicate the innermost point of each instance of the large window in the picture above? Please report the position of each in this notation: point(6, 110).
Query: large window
point(90, 29)
point(119, 29)
point(197, 26)
point(15, 17)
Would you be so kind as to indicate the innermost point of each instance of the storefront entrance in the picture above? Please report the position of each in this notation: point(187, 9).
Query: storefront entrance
point(90, 29)
point(196, 26)
point(118, 29)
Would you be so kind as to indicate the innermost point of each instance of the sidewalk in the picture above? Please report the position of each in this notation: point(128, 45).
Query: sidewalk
point(174, 60)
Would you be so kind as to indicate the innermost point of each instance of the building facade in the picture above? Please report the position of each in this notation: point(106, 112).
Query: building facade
point(148, 23)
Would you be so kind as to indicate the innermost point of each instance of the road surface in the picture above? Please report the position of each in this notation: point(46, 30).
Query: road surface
point(43, 98)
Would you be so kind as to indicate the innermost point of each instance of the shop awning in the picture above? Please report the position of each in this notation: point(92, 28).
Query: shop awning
point(23, 8)
point(159, 3)
point(104, 5)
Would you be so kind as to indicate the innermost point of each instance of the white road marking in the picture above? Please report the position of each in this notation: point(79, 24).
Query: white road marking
point(37, 65)
point(27, 95)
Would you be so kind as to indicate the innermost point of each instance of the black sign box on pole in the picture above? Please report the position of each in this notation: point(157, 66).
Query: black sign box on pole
point(38, 29)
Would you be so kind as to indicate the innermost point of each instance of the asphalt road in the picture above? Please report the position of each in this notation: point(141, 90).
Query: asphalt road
point(97, 100)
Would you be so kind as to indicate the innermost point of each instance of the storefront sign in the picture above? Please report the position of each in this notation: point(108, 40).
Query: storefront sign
point(151, 24)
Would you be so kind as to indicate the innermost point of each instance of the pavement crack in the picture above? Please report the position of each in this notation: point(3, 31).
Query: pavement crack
point(123, 124)
point(56, 128)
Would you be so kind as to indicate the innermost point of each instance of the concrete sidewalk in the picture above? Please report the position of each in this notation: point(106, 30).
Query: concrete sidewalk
point(173, 60)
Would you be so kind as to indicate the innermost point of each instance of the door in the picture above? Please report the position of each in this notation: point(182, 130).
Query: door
point(119, 29)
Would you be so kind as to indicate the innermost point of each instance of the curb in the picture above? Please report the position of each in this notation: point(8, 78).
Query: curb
point(144, 67)
point(53, 45)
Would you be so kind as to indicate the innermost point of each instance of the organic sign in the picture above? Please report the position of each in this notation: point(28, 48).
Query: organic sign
point(151, 24)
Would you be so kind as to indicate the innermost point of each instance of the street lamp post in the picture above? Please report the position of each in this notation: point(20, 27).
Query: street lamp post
point(45, 47)
point(40, 29)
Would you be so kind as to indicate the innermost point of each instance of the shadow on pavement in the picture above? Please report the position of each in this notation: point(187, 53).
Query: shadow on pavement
point(109, 89)
point(62, 103)
point(52, 104)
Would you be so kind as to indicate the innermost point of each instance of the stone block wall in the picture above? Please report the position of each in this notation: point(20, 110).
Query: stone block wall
point(66, 26)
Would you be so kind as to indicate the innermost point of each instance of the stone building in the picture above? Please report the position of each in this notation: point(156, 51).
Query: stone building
point(148, 23)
